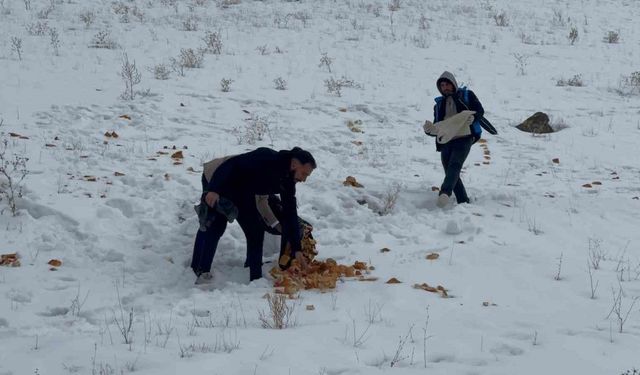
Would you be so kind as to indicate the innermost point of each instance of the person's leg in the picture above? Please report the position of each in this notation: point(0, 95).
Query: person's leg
point(253, 227)
point(453, 157)
point(445, 156)
point(459, 156)
point(460, 192)
point(205, 245)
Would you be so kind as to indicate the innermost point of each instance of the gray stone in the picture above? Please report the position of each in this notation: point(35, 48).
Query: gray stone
point(538, 124)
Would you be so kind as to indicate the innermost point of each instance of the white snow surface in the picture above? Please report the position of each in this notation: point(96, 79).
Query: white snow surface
point(516, 261)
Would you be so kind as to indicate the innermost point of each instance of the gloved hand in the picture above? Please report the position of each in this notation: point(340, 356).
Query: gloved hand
point(430, 128)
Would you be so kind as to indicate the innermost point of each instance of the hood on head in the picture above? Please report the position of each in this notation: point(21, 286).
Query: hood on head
point(447, 76)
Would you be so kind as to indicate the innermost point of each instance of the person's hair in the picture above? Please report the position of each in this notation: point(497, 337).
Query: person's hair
point(444, 79)
point(303, 156)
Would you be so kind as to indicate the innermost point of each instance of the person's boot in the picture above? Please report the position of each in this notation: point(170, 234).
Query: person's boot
point(443, 199)
point(226, 208)
point(204, 278)
point(255, 272)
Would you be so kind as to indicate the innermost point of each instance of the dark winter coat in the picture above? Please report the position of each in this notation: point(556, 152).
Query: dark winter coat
point(261, 172)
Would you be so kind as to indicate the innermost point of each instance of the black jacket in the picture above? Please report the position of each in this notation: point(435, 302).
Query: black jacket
point(261, 172)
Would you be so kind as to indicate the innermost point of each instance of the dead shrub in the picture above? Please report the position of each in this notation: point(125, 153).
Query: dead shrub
point(280, 314)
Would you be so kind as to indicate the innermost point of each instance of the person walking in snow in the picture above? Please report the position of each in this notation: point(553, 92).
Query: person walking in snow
point(457, 122)
point(235, 187)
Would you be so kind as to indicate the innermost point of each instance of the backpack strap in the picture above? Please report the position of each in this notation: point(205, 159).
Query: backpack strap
point(438, 101)
point(463, 94)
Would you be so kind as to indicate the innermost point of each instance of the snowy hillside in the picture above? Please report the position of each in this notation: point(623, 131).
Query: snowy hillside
point(542, 269)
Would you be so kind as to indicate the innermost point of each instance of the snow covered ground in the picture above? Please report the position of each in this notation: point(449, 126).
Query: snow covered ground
point(516, 261)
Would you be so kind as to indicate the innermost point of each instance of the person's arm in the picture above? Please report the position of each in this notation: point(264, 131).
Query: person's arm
point(430, 129)
point(262, 203)
point(475, 105)
point(290, 226)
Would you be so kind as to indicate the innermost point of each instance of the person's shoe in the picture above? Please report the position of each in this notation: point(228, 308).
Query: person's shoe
point(227, 209)
point(443, 199)
point(204, 278)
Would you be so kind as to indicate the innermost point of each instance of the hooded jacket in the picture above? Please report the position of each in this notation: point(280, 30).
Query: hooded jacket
point(446, 104)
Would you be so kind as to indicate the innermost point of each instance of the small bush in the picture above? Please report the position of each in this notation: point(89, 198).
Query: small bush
point(575, 81)
point(54, 39)
point(612, 37)
point(130, 76)
point(125, 12)
point(38, 28)
point(526, 38)
point(335, 86)
point(283, 21)
point(501, 19)
point(161, 72)
point(87, 17)
point(325, 60)
point(390, 198)
point(225, 84)
point(43, 14)
point(255, 129)
point(573, 35)
point(634, 79)
point(630, 84)
point(13, 171)
point(280, 83)
point(262, 49)
point(16, 46)
point(521, 63)
point(103, 40)
point(189, 59)
point(190, 24)
point(558, 19)
point(423, 22)
point(213, 42)
point(280, 314)
point(120, 8)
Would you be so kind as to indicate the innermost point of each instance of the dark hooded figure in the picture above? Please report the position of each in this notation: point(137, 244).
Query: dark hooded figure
point(456, 126)
point(234, 188)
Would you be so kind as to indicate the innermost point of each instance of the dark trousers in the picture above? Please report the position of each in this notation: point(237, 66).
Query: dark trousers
point(453, 155)
point(252, 224)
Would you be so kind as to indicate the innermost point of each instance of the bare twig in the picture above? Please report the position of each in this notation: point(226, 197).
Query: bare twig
point(398, 357)
point(617, 309)
point(593, 287)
